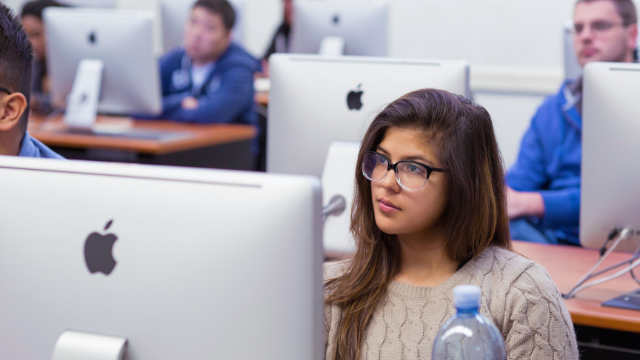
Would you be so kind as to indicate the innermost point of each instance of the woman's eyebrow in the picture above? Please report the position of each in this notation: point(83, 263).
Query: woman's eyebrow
point(411, 158)
point(419, 158)
point(380, 149)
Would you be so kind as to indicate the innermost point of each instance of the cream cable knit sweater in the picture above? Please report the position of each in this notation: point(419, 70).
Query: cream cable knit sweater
point(517, 295)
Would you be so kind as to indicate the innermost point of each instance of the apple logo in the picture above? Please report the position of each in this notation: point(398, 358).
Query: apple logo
point(336, 19)
point(98, 251)
point(92, 38)
point(354, 99)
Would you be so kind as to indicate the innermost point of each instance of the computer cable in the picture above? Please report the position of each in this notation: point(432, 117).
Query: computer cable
point(605, 279)
point(611, 236)
point(620, 236)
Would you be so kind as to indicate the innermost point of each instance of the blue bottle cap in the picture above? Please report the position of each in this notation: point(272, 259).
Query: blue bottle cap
point(466, 297)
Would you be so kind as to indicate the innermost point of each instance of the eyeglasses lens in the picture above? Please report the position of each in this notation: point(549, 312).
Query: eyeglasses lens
point(374, 167)
point(412, 176)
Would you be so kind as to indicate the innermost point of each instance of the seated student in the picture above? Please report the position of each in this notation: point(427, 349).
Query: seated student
point(31, 17)
point(210, 80)
point(280, 42)
point(543, 197)
point(16, 61)
point(429, 214)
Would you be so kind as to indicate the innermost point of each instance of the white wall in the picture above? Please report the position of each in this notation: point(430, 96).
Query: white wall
point(513, 46)
point(14, 5)
point(488, 33)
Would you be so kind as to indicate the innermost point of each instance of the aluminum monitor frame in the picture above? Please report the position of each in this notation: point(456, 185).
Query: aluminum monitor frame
point(610, 177)
point(308, 107)
point(208, 261)
point(363, 26)
point(122, 39)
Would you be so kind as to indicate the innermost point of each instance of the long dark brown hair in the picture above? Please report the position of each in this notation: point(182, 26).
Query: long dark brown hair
point(474, 218)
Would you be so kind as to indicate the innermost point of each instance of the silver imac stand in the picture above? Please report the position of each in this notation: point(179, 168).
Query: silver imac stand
point(332, 46)
point(335, 207)
point(75, 345)
point(628, 301)
point(82, 103)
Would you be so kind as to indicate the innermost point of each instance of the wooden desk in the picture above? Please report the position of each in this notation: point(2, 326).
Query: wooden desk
point(566, 265)
point(213, 145)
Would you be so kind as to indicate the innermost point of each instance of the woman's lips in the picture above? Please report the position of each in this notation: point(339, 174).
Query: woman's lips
point(387, 206)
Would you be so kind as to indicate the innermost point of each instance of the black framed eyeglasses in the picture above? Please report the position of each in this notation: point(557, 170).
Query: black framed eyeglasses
point(6, 90)
point(410, 175)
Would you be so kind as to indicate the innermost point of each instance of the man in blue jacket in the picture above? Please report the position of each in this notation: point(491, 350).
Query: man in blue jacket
point(210, 80)
point(543, 194)
point(16, 61)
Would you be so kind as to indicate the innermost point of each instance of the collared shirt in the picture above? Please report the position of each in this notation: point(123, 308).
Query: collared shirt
point(575, 88)
point(31, 147)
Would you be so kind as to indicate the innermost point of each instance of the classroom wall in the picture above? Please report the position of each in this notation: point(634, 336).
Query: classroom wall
point(514, 47)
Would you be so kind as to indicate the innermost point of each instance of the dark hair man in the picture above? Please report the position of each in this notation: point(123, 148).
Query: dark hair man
point(16, 61)
point(210, 80)
point(543, 196)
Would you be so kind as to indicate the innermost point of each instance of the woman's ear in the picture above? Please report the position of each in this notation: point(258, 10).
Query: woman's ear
point(12, 107)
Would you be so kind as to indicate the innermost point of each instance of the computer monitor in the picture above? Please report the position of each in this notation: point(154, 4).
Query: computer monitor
point(315, 100)
point(122, 40)
point(175, 14)
point(610, 176)
point(206, 264)
point(362, 26)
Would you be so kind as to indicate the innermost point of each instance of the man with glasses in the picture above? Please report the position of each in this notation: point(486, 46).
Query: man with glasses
point(543, 194)
point(16, 61)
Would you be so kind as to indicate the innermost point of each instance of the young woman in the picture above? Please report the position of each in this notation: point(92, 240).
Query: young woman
point(429, 214)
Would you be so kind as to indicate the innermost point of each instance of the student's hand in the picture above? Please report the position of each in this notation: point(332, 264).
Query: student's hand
point(190, 103)
point(521, 204)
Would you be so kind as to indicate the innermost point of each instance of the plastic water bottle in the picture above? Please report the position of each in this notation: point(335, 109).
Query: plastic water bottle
point(468, 335)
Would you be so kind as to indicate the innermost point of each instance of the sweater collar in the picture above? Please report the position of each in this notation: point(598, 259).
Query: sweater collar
point(460, 277)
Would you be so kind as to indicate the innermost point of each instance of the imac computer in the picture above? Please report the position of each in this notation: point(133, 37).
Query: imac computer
point(610, 196)
point(610, 177)
point(176, 263)
point(175, 14)
point(102, 60)
point(315, 100)
point(361, 28)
